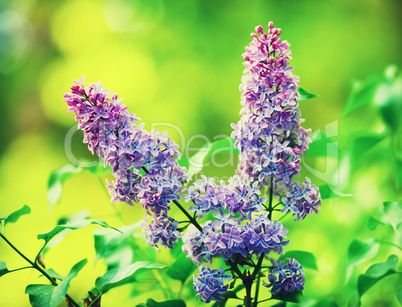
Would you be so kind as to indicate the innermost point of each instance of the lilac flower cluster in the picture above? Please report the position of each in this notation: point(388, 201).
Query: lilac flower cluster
point(112, 133)
point(286, 278)
point(209, 284)
point(302, 199)
point(234, 228)
point(239, 226)
point(269, 135)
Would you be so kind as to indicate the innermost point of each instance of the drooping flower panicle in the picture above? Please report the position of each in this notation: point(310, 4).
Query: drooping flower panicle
point(143, 163)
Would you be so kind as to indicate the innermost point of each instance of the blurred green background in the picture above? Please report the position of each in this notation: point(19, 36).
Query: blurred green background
point(179, 62)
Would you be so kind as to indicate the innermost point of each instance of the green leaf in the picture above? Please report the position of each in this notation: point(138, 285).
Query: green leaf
point(354, 300)
point(54, 275)
point(288, 297)
point(181, 269)
point(399, 296)
point(361, 145)
point(47, 295)
point(398, 173)
point(13, 217)
point(196, 162)
point(306, 259)
point(361, 94)
point(303, 94)
point(40, 295)
point(169, 303)
point(327, 192)
point(359, 252)
point(372, 223)
point(3, 268)
point(390, 213)
point(388, 99)
point(79, 216)
point(399, 232)
point(47, 236)
point(375, 273)
point(109, 243)
point(326, 303)
point(183, 162)
point(56, 180)
point(119, 276)
point(322, 146)
point(280, 304)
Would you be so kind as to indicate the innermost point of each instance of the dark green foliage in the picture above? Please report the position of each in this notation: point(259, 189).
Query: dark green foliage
point(306, 259)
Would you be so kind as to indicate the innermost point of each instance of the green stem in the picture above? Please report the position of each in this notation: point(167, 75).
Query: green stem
point(19, 269)
point(192, 220)
point(38, 268)
point(235, 268)
point(257, 288)
point(271, 196)
point(258, 266)
point(38, 255)
point(248, 299)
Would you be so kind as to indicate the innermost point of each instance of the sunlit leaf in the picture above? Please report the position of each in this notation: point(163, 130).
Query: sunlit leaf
point(399, 232)
point(375, 273)
point(115, 247)
point(399, 295)
point(388, 99)
point(361, 145)
point(359, 252)
point(13, 217)
point(59, 176)
point(3, 268)
point(47, 295)
point(196, 162)
point(354, 300)
point(362, 94)
point(306, 259)
point(280, 304)
point(47, 236)
point(56, 180)
point(40, 295)
point(327, 192)
point(391, 212)
point(326, 303)
point(76, 217)
point(182, 268)
point(321, 146)
point(119, 276)
point(304, 95)
point(54, 275)
point(398, 173)
point(372, 223)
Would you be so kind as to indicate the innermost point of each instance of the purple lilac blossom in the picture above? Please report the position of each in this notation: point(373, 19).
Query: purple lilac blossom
point(285, 277)
point(269, 135)
point(114, 135)
point(209, 284)
point(239, 224)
